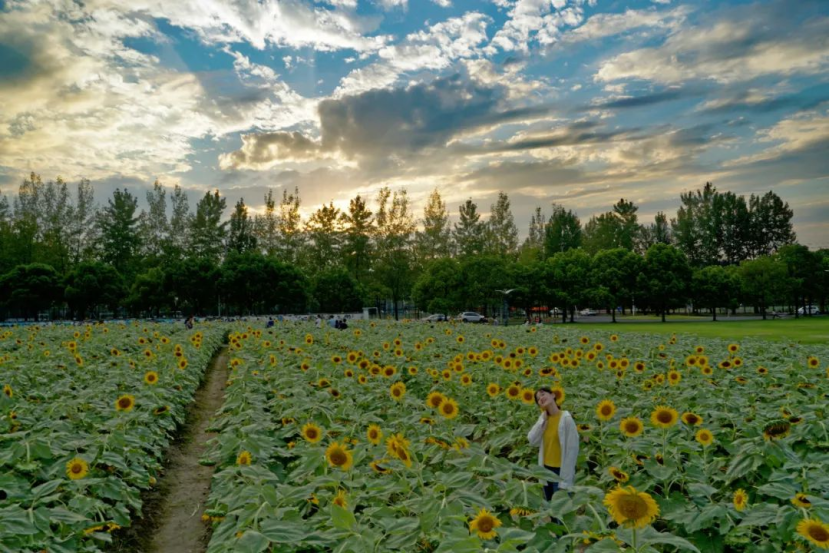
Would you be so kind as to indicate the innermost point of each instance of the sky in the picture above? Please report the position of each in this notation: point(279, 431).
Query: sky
point(577, 102)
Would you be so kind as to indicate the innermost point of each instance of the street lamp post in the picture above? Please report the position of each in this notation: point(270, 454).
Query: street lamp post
point(504, 294)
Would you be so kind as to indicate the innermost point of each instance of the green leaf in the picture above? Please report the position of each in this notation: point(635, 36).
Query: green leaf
point(251, 542)
point(459, 545)
point(762, 515)
point(342, 518)
point(649, 535)
point(282, 531)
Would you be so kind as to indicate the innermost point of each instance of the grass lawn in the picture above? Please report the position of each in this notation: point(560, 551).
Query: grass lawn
point(804, 330)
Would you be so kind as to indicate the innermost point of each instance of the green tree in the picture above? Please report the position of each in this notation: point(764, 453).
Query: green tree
point(615, 273)
point(394, 228)
point(30, 289)
point(763, 282)
point(253, 283)
point(148, 293)
point(533, 248)
point(503, 232)
point(336, 291)
point(324, 232)
point(439, 288)
point(563, 231)
point(291, 238)
point(267, 226)
point(715, 286)
point(601, 233)
point(770, 224)
point(179, 228)
point(659, 232)
point(482, 276)
point(241, 236)
point(192, 284)
point(806, 276)
point(567, 275)
point(118, 225)
point(664, 282)
point(91, 285)
point(207, 230)
point(434, 241)
point(694, 228)
point(357, 235)
point(468, 232)
point(153, 227)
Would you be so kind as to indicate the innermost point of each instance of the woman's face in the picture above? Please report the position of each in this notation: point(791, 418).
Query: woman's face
point(543, 398)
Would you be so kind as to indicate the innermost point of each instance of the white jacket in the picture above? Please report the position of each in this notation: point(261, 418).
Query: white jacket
point(568, 442)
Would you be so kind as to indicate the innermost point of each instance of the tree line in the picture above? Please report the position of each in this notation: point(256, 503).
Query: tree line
point(63, 253)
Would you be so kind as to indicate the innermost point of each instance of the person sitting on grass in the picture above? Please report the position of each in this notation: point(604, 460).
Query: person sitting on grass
point(556, 435)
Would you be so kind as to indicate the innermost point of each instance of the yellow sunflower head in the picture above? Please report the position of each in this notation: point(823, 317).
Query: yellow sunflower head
point(631, 427)
point(606, 410)
point(493, 389)
point(484, 524)
point(448, 408)
point(338, 456)
point(374, 434)
point(77, 468)
point(618, 475)
point(397, 391)
point(244, 458)
point(125, 403)
point(691, 419)
point(312, 433)
point(434, 400)
point(151, 377)
point(802, 501)
point(740, 499)
point(704, 437)
point(663, 417)
point(528, 396)
point(814, 531)
point(776, 430)
point(630, 508)
point(340, 499)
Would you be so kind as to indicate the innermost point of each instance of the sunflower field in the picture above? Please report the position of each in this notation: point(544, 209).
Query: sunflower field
point(412, 437)
point(86, 414)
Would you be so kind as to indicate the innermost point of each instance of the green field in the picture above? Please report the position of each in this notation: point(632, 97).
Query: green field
point(804, 330)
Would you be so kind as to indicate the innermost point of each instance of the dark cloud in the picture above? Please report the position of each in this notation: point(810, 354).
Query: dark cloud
point(644, 100)
point(261, 150)
point(745, 103)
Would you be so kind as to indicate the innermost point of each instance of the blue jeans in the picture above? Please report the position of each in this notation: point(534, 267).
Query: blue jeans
point(551, 487)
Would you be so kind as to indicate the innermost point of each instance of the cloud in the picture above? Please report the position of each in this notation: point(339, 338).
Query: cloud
point(803, 136)
point(603, 25)
point(433, 49)
point(765, 101)
point(535, 21)
point(739, 44)
point(264, 150)
point(642, 101)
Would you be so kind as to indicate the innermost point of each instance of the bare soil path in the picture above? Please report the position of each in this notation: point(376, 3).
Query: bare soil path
point(172, 514)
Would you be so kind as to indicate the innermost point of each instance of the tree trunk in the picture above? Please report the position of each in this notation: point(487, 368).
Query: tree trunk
point(663, 315)
point(714, 314)
point(613, 314)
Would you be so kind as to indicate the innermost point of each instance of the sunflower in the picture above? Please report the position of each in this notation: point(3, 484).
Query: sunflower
point(704, 437)
point(243, 458)
point(513, 391)
point(606, 410)
point(434, 400)
point(814, 531)
point(776, 430)
point(151, 377)
point(631, 508)
point(338, 456)
point(466, 379)
point(812, 362)
point(484, 524)
point(691, 418)
point(448, 408)
point(161, 410)
point(362, 379)
point(493, 389)
point(413, 370)
point(7, 391)
point(397, 391)
point(801, 500)
point(739, 499)
point(312, 433)
point(614, 337)
point(558, 394)
point(691, 360)
point(706, 370)
point(631, 427)
point(733, 348)
point(528, 396)
point(374, 434)
point(125, 403)
point(114, 352)
point(674, 378)
point(446, 374)
point(533, 351)
point(376, 466)
point(618, 475)
point(348, 373)
point(663, 417)
point(323, 383)
point(340, 499)
point(396, 443)
point(77, 468)
point(762, 370)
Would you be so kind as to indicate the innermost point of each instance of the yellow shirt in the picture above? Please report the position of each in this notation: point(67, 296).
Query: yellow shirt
point(552, 449)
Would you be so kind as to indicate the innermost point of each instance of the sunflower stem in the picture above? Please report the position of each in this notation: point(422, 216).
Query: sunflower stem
point(634, 539)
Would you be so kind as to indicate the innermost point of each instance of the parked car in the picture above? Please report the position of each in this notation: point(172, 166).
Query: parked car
point(555, 312)
point(437, 318)
point(808, 310)
point(471, 317)
point(588, 313)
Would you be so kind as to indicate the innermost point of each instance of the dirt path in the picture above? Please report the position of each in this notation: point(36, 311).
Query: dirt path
point(172, 522)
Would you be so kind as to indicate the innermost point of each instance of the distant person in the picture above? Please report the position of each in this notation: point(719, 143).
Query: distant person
point(318, 321)
point(332, 322)
point(188, 323)
point(270, 323)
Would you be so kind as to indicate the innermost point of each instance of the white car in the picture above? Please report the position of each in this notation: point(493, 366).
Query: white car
point(588, 313)
point(471, 317)
point(437, 318)
point(809, 310)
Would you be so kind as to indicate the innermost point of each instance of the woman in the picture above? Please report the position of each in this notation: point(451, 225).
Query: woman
point(558, 440)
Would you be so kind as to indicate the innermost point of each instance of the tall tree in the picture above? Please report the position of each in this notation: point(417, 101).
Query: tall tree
point(469, 230)
point(324, 232)
point(55, 213)
point(290, 229)
point(503, 231)
point(533, 248)
point(568, 276)
point(664, 282)
point(358, 230)
point(434, 241)
point(734, 232)
point(207, 230)
point(629, 230)
point(439, 288)
point(770, 224)
point(31, 288)
point(241, 236)
point(715, 286)
point(601, 232)
point(393, 237)
point(179, 229)
point(91, 285)
point(694, 227)
point(153, 225)
point(659, 232)
point(563, 231)
point(763, 282)
point(118, 225)
point(615, 273)
point(267, 226)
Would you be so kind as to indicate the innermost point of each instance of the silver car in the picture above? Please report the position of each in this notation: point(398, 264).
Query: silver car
point(471, 317)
